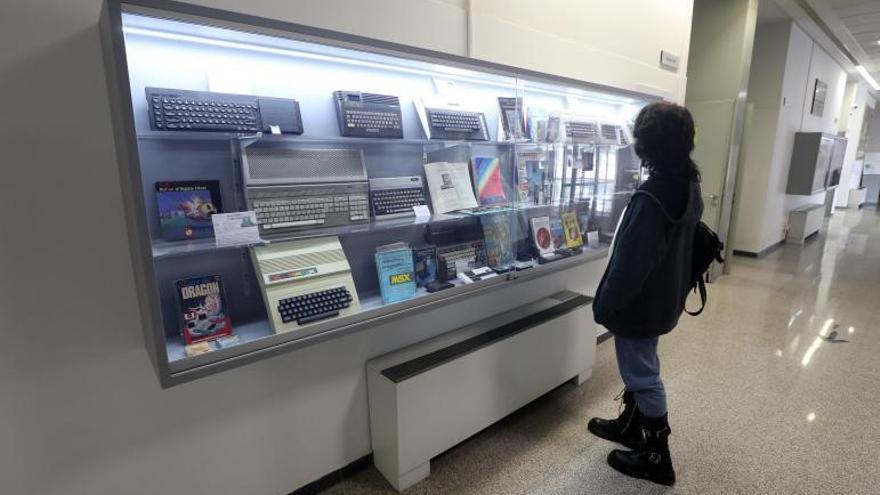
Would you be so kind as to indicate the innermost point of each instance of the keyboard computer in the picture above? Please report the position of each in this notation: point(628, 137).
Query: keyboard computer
point(296, 189)
point(296, 207)
point(457, 124)
point(474, 252)
point(305, 281)
point(393, 197)
point(181, 110)
point(368, 115)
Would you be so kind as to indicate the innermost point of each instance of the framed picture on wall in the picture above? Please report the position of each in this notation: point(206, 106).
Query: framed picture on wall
point(820, 90)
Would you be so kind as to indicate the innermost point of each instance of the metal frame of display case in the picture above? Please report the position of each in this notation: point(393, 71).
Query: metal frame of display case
point(142, 248)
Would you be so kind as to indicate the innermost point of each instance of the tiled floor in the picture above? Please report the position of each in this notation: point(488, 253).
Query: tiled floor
point(759, 402)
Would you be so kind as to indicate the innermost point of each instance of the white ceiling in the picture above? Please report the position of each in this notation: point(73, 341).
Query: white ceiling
point(862, 19)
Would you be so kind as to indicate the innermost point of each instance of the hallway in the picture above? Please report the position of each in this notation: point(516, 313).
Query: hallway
point(759, 401)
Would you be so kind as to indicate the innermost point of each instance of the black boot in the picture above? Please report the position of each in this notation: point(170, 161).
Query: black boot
point(651, 462)
point(626, 429)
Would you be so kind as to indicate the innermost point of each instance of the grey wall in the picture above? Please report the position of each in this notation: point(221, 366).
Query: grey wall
point(82, 412)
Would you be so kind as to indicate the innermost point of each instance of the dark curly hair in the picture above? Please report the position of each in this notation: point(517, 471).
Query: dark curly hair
point(664, 140)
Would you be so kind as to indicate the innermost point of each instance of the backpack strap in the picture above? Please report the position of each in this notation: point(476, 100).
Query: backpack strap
point(701, 287)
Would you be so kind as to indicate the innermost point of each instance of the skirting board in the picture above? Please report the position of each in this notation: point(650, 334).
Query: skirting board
point(764, 252)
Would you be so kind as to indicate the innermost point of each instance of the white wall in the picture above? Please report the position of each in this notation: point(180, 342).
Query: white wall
point(780, 94)
point(764, 100)
point(82, 412)
point(603, 41)
point(854, 108)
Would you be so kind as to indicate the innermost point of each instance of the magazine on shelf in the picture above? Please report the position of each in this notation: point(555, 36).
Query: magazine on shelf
point(450, 186)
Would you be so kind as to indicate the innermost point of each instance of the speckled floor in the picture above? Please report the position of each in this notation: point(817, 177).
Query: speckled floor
point(759, 402)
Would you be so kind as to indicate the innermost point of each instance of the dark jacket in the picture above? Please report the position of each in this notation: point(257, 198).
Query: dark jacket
point(644, 288)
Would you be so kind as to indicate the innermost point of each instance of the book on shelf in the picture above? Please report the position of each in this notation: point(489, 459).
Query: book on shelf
point(394, 266)
point(574, 238)
point(425, 264)
point(487, 181)
point(541, 235)
point(204, 314)
point(499, 246)
point(185, 208)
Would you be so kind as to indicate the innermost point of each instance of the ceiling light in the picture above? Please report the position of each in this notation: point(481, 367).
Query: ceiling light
point(867, 76)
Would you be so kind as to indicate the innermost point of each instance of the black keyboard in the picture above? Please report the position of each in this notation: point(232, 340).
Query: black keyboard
point(457, 124)
point(368, 115)
point(395, 196)
point(314, 306)
point(180, 110)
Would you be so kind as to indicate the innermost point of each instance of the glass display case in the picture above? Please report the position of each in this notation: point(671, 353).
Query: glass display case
point(286, 184)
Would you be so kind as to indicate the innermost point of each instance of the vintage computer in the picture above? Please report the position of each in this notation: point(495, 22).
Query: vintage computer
point(305, 281)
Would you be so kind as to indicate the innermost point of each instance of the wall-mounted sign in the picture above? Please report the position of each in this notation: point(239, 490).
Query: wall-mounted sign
point(669, 61)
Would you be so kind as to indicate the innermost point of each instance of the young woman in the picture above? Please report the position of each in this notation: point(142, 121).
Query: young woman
point(643, 291)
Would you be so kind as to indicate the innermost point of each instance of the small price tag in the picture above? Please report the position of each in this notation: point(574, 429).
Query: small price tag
point(593, 238)
point(462, 266)
point(274, 129)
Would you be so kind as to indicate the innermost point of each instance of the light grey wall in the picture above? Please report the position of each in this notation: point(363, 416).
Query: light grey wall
point(82, 412)
point(872, 145)
point(785, 65)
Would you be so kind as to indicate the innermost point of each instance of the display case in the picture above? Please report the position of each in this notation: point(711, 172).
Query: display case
point(816, 163)
point(286, 184)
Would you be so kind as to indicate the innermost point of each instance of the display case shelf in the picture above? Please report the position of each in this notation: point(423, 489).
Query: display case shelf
point(257, 337)
point(297, 139)
point(169, 249)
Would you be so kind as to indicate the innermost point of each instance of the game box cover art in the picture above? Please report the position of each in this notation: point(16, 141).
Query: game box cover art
point(203, 311)
point(185, 208)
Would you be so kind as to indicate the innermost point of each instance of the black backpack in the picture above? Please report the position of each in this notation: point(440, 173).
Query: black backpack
point(707, 248)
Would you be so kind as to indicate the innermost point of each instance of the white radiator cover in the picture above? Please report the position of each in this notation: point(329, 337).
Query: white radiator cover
point(424, 414)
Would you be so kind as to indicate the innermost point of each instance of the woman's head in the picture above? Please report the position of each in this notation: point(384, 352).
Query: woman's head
point(664, 139)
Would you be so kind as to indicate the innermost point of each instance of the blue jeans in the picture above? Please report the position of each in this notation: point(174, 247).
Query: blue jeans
point(640, 369)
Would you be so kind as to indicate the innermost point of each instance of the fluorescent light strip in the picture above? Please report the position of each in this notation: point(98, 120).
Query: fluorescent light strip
point(867, 75)
point(454, 72)
point(282, 51)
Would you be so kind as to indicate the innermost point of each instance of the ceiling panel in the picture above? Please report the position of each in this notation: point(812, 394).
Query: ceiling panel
point(862, 19)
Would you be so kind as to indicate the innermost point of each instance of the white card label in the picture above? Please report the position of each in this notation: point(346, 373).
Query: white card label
point(423, 214)
point(462, 266)
point(593, 238)
point(235, 229)
point(275, 129)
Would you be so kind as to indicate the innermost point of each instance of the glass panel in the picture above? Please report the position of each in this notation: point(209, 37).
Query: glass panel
point(377, 183)
point(576, 168)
